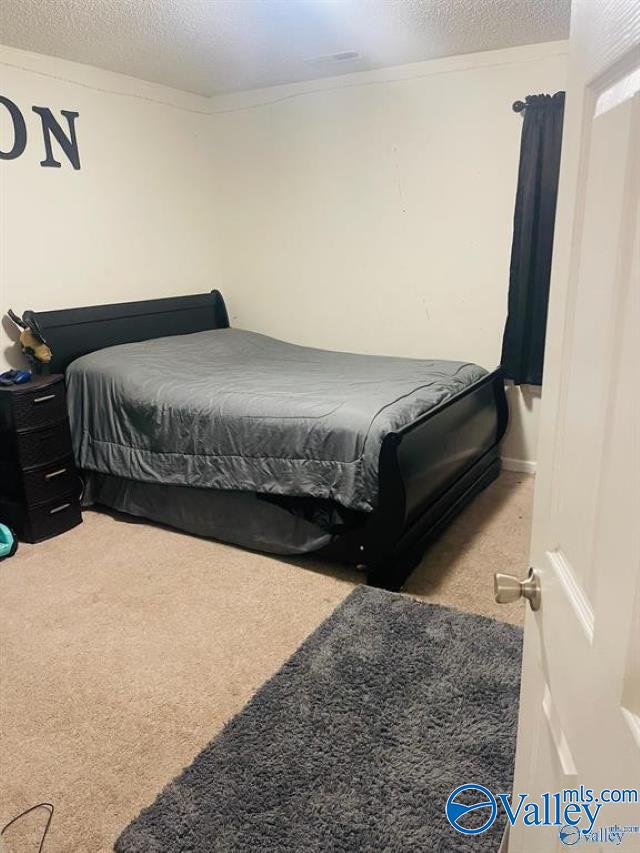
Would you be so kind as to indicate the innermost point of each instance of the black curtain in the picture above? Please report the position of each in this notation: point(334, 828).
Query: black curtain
point(531, 250)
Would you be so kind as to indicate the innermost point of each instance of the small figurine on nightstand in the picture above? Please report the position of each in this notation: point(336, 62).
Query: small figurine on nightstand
point(32, 341)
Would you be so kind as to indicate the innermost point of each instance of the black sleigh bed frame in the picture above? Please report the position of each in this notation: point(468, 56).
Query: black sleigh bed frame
point(428, 470)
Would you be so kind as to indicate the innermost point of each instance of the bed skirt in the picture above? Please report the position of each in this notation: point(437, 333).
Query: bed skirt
point(260, 522)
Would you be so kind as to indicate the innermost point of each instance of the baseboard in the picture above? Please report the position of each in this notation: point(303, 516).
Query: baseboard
point(525, 466)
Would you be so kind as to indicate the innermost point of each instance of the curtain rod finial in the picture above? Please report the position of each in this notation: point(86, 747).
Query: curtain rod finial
point(518, 106)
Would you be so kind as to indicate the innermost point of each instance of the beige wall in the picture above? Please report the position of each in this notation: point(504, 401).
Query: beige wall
point(370, 212)
point(373, 212)
point(135, 222)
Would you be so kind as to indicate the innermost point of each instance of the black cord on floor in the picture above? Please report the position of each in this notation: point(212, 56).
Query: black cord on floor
point(47, 806)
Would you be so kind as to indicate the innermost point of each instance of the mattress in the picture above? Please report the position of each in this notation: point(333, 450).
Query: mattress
point(234, 410)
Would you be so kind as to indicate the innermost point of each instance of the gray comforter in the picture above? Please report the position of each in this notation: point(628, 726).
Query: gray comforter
point(229, 409)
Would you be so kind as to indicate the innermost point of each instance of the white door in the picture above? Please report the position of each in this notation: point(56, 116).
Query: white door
point(580, 705)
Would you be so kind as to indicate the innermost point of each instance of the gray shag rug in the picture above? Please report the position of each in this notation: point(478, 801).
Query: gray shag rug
point(356, 743)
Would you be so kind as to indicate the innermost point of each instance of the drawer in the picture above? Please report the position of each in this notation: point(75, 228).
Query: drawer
point(51, 481)
point(39, 407)
point(33, 524)
point(50, 519)
point(41, 446)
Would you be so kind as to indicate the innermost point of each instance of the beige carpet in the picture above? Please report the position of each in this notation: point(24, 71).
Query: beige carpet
point(125, 647)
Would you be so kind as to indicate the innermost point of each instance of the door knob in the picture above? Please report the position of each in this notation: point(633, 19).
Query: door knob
point(508, 589)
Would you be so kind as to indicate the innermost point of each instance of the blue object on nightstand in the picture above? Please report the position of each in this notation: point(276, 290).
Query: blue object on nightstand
point(15, 377)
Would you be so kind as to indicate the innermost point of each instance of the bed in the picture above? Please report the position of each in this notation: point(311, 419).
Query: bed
point(181, 419)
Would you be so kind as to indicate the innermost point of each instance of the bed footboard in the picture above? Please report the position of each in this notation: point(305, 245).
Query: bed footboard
point(427, 473)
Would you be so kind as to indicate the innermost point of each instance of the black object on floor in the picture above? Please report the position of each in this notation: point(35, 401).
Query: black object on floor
point(357, 742)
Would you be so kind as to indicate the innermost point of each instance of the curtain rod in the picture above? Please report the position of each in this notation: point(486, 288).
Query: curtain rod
point(520, 106)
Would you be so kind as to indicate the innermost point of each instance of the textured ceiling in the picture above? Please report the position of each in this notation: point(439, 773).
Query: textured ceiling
point(215, 46)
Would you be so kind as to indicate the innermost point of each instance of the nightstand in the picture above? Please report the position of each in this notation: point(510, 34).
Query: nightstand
point(39, 485)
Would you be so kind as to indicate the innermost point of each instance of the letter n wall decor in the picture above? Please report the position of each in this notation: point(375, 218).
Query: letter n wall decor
point(52, 129)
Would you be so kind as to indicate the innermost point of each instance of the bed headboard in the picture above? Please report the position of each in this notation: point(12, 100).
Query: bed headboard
point(73, 332)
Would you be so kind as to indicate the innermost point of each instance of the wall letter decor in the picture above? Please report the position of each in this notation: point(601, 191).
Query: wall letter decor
point(68, 143)
point(19, 131)
point(50, 127)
